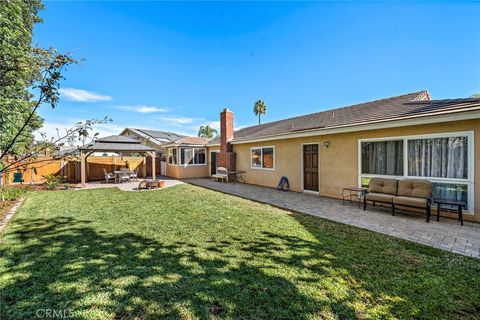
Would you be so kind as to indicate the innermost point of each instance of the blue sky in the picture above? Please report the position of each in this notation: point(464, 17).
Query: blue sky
point(175, 66)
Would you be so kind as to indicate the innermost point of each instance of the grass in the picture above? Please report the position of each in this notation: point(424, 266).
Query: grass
point(186, 252)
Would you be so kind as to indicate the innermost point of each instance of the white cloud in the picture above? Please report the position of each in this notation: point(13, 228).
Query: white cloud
point(55, 129)
point(143, 109)
point(178, 120)
point(214, 124)
point(82, 95)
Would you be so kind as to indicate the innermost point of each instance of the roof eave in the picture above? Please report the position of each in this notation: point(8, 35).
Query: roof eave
point(443, 116)
point(184, 145)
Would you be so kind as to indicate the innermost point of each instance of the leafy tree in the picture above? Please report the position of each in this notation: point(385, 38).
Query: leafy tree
point(207, 132)
point(476, 95)
point(259, 109)
point(29, 78)
point(20, 67)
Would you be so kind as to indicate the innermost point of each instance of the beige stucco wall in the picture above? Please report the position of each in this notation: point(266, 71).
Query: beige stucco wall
point(339, 162)
point(183, 172)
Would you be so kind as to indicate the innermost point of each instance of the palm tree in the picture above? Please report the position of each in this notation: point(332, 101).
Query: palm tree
point(207, 132)
point(259, 108)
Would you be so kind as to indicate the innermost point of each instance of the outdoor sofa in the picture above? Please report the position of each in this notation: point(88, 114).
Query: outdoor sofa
point(404, 193)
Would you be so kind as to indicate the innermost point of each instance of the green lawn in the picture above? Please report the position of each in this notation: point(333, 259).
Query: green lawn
point(186, 252)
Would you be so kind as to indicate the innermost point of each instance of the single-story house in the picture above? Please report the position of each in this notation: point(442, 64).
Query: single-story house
point(407, 136)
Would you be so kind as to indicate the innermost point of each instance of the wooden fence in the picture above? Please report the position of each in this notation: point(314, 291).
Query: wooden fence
point(70, 169)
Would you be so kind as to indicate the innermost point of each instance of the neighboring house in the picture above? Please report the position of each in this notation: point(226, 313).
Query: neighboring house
point(152, 138)
point(404, 136)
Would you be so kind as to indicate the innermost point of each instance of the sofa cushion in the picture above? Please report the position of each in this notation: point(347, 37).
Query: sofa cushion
point(380, 197)
point(415, 188)
point(381, 185)
point(410, 201)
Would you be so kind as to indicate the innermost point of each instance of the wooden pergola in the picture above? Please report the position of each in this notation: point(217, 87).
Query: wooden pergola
point(116, 144)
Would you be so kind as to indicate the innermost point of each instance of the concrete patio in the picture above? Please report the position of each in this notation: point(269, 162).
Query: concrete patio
point(447, 234)
point(129, 186)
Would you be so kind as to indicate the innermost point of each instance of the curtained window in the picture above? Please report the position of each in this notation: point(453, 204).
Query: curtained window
point(438, 157)
point(382, 157)
point(444, 160)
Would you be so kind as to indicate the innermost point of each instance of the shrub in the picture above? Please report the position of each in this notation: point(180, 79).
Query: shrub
point(10, 194)
point(52, 181)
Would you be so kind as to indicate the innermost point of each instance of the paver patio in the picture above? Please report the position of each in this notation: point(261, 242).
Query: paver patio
point(447, 234)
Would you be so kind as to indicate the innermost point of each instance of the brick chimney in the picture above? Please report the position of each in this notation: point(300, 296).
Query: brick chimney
point(226, 130)
point(226, 158)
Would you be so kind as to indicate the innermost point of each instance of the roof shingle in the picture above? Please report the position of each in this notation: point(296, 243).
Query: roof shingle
point(161, 135)
point(192, 140)
point(117, 143)
point(412, 104)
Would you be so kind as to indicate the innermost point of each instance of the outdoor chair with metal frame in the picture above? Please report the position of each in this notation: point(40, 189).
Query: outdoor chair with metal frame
point(134, 174)
point(125, 176)
point(108, 176)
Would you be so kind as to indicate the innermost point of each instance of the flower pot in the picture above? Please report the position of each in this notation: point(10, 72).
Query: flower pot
point(161, 184)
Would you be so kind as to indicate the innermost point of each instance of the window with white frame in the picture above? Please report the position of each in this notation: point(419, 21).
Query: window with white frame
point(444, 159)
point(383, 157)
point(172, 156)
point(192, 156)
point(263, 158)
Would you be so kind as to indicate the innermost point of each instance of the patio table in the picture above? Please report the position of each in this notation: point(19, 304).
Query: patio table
point(351, 192)
point(118, 174)
point(238, 176)
point(452, 203)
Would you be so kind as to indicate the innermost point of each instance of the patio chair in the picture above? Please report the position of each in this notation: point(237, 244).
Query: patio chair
point(125, 176)
point(108, 176)
point(134, 174)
